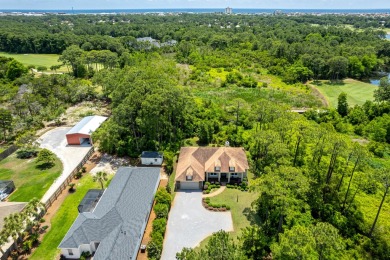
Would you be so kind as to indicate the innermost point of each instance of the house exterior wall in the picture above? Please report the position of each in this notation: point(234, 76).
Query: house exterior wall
point(152, 161)
point(74, 139)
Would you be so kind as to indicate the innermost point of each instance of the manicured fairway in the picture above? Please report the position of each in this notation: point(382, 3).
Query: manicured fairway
point(29, 181)
point(46, 60)
point(357, 92)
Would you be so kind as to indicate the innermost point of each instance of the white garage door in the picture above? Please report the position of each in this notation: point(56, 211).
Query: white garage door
point(189, 185)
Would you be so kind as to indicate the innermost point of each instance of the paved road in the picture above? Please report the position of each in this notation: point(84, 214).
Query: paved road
point(189, 223)
point(71, 156)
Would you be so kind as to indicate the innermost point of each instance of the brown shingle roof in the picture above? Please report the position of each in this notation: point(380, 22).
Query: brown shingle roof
point(204, 159)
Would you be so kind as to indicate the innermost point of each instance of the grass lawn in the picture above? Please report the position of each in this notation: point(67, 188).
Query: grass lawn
point(46, 60)
point(63, 219)
point(29, 181)
point(357, 92)
point(242, 213)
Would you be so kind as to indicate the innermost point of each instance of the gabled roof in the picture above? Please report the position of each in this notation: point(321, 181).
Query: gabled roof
point(8, 208)
point(87, 125)
point(147, 154)
point(117, 220)
point(205, 159)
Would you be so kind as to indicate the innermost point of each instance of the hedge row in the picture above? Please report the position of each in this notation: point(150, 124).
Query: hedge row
point(161, 208)
point(214, 206)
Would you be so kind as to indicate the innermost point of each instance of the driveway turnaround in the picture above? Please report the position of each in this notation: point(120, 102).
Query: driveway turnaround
point(189, 223)
point(70, 156)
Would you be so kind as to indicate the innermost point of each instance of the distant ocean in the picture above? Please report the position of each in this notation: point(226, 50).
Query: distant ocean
point(215, 10)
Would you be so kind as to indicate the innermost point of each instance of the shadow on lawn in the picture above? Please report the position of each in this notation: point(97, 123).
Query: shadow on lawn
point(251, 215)
point(45, 166)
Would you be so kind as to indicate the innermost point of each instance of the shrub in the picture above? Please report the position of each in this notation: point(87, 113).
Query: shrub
point(154, 249)
point(45, 227)
point(157, 237)
point(41, 220)
point(85, 255)
point(159, 226)
point(26, 153)
point(163, 197)
point(161, 210)
point(84, 169)
point(228, 207)
point(78, 175)
point(207, 183)
point(206, 191)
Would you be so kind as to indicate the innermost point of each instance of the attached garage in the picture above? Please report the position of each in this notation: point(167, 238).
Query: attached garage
point(81, 133)
point(189, 185)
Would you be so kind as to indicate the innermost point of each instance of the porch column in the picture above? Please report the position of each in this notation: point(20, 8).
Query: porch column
point(207, 176)
point(242, 176)
point(219, 177)
point(228, 177)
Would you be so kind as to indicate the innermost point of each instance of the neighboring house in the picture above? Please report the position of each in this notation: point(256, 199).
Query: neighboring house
point(8, 208)
point(115, 227)
point(214, 164)
point(82, 131)
point(149, 40)
point(6, 188)
point(151, 158)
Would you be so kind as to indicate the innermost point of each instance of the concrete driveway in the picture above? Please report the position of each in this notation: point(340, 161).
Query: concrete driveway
point(70, 156)
point(189, 223)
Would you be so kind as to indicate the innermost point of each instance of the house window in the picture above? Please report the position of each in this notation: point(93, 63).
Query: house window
point(232, 169)
point(234, 175)
point(70, 252)
point(217, 168)
point(213, 174)
point(189, 178)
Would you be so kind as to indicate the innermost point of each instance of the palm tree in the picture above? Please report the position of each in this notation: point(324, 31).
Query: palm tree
point(14, 225)
point(100, 177)
point(34, 208)
point(3, 239)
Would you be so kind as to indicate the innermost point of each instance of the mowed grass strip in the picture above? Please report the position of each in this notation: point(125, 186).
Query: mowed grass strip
point(29, 180)
point(357, 92)
point(63, 220)
point(46, 60)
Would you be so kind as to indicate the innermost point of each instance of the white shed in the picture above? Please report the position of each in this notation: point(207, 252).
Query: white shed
point(151, 158)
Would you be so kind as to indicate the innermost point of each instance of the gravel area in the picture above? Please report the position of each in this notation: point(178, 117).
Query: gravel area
point(189, 223)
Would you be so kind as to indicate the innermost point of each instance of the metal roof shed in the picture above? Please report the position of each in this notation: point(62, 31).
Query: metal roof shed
point(81, 132)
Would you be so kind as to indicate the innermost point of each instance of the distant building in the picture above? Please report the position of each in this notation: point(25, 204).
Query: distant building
point(228, 10)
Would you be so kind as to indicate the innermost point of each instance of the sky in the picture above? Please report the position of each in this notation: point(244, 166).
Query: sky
point(165, 4)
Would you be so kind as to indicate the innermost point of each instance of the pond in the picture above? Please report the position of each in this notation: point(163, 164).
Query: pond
point(375, 81)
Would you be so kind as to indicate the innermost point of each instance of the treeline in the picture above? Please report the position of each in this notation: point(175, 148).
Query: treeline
point(27, 101)
point(291, 47)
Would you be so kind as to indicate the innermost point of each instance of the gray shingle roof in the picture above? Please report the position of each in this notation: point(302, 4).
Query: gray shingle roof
point(118, 217)
point(147, 154)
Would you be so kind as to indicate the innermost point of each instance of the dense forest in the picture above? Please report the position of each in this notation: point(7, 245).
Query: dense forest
point(232, 78)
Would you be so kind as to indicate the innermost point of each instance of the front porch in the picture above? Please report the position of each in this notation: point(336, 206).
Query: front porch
point(225, 177)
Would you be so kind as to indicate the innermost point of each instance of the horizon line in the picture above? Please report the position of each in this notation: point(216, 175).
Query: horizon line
point(188, 8)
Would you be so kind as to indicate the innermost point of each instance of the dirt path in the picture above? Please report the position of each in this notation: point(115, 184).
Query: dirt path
point(318, 94)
